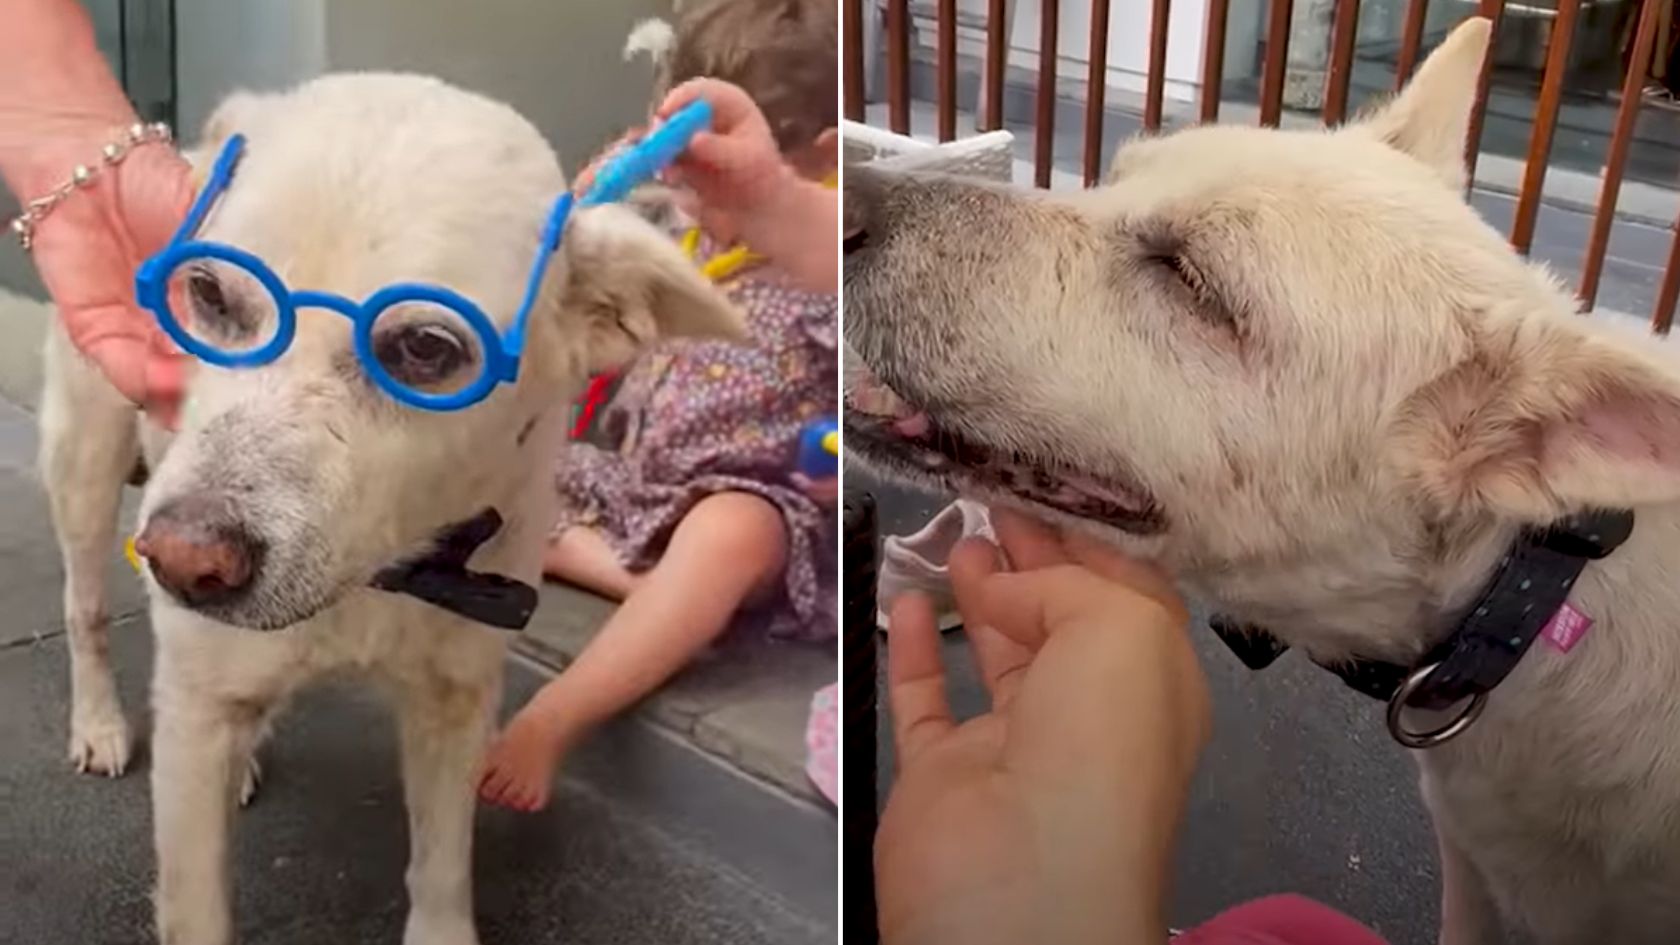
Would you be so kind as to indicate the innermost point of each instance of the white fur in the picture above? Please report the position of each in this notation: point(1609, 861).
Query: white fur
point(349, 183)
point(1342, 461)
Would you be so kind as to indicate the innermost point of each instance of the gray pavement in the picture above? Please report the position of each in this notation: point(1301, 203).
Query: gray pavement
point(320, 853)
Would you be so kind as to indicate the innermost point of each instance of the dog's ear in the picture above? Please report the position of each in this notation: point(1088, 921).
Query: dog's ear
point(1430, 119)
point(1543, 420)
point(632, 284)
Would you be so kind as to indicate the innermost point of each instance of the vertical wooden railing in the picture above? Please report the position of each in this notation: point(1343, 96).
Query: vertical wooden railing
point(898, 65)
point(1621, 137)
point(1096, 84)
point(1493, 10)
point(1276, 64)
point(947, 65)
point(1545, 125)
point(996, 50)
point(1044, 112)
point(1154, 93)
point(852, 61)
point(1411, 40)
point(1344, 31)
point(895, 17)
point(1213, 59)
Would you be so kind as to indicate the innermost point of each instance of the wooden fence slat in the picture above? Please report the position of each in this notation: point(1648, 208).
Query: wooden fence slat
point(1615, 163)
point(1545, 125)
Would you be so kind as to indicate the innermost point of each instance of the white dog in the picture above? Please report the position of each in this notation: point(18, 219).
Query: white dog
point(290, 487)
point(1300, 371)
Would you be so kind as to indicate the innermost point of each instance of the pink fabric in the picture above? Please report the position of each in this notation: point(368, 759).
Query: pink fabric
point(822, 743)
point(1280, 920)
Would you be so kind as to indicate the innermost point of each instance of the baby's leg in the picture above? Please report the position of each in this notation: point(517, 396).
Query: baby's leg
point(580, 555)
point(730, 548)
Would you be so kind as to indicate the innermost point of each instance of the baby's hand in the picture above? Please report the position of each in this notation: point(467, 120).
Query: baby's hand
point(824, 492)
point(735, 168)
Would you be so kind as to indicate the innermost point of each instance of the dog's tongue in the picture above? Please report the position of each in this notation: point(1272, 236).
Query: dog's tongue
point(915, 426)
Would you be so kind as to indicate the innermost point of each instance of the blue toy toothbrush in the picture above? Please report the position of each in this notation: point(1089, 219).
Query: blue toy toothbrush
point(649, 156)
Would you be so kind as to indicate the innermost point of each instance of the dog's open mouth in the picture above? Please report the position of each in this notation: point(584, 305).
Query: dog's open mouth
point(884, 427)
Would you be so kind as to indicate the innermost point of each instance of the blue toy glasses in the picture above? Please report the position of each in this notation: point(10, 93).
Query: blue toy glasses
point(425, 345)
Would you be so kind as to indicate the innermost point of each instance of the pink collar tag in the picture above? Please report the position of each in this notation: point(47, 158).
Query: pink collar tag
point(1566, 628)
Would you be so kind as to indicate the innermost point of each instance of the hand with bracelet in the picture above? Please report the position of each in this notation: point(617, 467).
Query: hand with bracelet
point(107, 193)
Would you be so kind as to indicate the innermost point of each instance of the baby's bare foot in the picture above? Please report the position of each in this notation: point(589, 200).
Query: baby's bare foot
point(520, 765)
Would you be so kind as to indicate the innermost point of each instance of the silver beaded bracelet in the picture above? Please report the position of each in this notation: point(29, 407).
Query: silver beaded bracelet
point(24, 224)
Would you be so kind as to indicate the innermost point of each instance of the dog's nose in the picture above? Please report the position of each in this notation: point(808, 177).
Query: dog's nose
point(199, 551)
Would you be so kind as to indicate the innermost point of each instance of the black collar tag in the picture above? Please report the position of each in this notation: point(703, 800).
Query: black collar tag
point(441, 578)
point(1533, 581)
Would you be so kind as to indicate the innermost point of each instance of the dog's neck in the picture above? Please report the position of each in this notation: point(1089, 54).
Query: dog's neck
point(1374, 598)
point(525, 498)
point(1374, 594)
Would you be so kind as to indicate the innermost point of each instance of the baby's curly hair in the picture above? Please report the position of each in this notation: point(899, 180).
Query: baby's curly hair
point(782, 52)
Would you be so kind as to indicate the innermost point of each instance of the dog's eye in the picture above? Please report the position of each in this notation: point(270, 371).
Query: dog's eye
point(1204, 299)
point(1183, 270)
point(206, 292)
point(219, 305)
point(421, 355)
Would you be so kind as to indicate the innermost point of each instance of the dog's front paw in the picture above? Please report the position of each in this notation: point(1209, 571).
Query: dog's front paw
point(439, 930)
point(100, 741)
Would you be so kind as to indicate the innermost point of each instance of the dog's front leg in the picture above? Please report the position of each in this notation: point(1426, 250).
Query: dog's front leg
point(199, 749)
point(1468, 915)
point(87, 448)
point(445, 727)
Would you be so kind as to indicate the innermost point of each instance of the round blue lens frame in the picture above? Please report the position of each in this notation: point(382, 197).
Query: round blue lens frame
point(498, 365)
point(501, 353)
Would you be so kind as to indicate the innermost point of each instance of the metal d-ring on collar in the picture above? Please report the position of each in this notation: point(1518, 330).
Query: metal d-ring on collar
point(1416, 680)
point(1531, 583)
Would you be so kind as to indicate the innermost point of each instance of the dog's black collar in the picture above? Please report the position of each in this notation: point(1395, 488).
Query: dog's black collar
point(441, 577)
point(1533, 580)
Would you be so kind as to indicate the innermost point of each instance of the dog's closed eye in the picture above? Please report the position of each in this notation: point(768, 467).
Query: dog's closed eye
point(1201, 293)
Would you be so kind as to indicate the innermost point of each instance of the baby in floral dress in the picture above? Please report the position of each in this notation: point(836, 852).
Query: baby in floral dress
point(696, 515)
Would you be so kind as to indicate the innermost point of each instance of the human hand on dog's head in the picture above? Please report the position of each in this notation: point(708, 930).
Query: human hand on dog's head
point(1051, 817)
point(87, 253)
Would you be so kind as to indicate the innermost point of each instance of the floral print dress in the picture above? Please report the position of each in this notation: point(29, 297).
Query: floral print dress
point(695, 418)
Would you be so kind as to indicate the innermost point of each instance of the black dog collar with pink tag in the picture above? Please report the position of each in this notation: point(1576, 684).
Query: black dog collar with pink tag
point(1533, 581)
point(441, 577)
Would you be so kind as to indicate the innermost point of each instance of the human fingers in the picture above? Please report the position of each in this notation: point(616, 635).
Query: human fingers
point(1028, 543)
point(731, 105)
point(1000, 659)
point(1031, 606)
point(1032, 544)
point(921, 714)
